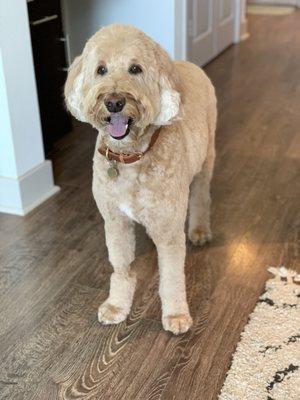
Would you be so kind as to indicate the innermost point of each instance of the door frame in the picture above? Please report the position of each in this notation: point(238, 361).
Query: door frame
point(181, 29)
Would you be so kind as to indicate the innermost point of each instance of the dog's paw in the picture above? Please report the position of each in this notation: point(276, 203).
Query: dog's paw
point(200, 236)
point(110, 314)
point(177, 324)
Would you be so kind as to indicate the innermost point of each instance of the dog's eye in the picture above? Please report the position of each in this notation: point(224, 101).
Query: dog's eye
point(102, 70)
point(135, 69)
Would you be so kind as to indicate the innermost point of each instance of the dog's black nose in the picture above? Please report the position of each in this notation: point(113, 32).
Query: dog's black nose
point(115, 103)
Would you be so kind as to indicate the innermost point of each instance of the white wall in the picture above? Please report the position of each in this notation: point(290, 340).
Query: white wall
point(21, 147)
point(20, 80)
point(85, 17)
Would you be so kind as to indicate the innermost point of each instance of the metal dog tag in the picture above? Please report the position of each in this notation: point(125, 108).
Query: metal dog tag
point(113, 171)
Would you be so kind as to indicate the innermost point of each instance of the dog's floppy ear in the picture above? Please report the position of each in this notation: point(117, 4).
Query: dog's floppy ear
point(169, 91)
point(74, 89)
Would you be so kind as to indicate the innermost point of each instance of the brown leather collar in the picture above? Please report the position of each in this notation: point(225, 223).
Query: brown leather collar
point(127, 158)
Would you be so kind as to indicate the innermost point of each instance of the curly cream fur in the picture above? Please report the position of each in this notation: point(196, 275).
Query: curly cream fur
point(156, 190)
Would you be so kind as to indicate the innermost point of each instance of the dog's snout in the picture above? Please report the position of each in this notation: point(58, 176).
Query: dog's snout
point(115, 103)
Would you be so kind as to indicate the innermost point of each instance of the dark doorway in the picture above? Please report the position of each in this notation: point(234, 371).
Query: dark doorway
point(48, 44)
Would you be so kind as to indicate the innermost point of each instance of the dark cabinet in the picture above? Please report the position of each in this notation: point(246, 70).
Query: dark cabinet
point(48, 45)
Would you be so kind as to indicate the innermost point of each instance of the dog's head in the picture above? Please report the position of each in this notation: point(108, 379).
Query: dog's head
point(122, 83)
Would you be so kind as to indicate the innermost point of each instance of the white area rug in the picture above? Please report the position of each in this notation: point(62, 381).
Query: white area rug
point(269, 10)
point(266, 364)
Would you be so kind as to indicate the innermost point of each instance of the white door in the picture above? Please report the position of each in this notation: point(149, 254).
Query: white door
point(200, 47)
point(224, 24)
point(210, 28)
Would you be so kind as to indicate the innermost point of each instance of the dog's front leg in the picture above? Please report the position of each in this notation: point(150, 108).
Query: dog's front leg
point(120, 241)
point(175, 311)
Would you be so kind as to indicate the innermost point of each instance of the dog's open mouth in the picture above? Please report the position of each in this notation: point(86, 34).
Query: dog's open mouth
point(118, 125)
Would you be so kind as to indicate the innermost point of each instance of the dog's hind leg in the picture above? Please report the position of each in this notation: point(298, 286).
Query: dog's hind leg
point(120, 241)
point(199, 201)
point(199, 230)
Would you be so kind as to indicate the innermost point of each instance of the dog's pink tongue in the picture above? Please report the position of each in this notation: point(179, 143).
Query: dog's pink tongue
point(118, 125)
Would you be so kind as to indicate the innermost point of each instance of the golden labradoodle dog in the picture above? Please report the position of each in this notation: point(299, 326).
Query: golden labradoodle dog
point(153, 160)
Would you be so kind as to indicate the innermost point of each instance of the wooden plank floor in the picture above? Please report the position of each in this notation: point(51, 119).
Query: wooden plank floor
point(54, 270)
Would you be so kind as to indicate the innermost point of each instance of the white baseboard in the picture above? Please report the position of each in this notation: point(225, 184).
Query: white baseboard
point(21, 195)
point(244, 33)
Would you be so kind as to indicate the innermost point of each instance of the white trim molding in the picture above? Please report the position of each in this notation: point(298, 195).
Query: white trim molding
point(241, 23)
point(181, 31)
point(21, 195)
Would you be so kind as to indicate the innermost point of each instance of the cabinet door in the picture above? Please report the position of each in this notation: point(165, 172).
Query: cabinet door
point(200, 31)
